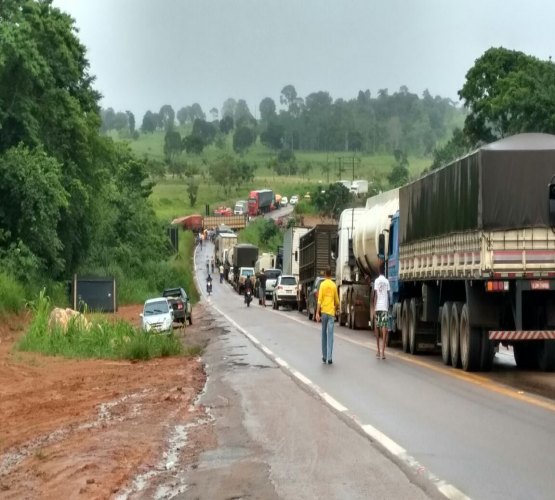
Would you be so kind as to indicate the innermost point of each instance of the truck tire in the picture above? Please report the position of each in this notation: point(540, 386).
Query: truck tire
point(405, 326)
point(546, 356)
point(413, 324)
point(526, 354)
point(470, 342)
point(487, 352)
point(445, 328)
point(454, 335)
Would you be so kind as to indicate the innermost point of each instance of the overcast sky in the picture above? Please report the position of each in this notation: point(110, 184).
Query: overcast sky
point(146, 53)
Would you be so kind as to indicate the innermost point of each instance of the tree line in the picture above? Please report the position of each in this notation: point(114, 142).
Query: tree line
point(71, 200)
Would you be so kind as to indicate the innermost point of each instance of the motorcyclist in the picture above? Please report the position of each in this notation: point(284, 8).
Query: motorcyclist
point(209, 283)
point(248, 287)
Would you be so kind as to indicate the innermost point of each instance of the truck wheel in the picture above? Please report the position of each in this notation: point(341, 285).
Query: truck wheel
point(445, 325)
point(470, 342)
point(413, 323)
point(454, 334)
point(487, 352)
point(405, 326)
point(546, 356)
point(526, 354)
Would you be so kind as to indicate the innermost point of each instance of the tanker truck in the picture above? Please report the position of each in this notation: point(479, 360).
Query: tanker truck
point(471, 256)
point(352, 285)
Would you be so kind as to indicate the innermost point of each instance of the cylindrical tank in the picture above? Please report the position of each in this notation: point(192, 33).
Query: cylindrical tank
point(367, 231)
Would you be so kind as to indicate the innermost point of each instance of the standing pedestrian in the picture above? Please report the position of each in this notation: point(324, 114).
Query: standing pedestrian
point(328, 301)
point(207, 265)
point(262, 287)
point(221, 273)
point(380, 293)
point(212, 263)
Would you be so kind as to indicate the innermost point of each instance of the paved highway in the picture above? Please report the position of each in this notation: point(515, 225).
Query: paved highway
point(483, 438)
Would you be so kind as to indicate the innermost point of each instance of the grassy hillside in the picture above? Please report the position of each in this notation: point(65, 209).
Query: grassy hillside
point(170, 197)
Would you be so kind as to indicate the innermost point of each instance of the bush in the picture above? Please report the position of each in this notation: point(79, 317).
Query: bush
point(12, 295)
point(102, 339)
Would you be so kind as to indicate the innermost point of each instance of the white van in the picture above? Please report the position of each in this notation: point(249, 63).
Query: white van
point(241, 207)
point(359, 187)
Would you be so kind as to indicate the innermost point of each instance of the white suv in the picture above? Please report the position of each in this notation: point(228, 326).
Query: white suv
point(285, 291)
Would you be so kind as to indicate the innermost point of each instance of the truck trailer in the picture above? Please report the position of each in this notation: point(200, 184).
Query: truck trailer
point(291, 242)
point(261, 201)
point(471, 256)
point(317, 251)
point(352, 285)
point(244, 255)
point(222, 243)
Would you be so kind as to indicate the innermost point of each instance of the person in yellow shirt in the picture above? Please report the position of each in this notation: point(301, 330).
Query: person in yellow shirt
point(328, 301)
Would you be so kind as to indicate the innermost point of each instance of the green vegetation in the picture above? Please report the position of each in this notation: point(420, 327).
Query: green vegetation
point(12, 295)
point(102, 339)
point(264, 233)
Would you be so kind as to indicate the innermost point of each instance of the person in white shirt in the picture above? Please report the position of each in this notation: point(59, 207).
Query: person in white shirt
point(380, 291)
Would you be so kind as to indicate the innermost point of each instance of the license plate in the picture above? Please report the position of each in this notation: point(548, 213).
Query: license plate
point(540, 285)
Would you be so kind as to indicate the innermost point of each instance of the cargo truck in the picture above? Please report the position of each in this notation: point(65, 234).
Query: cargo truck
point(222, 243)
point(291, 242)
point(352, 284)
point(244, 255)
point(471, 256)
point(261, 201)
point(317, 250)
point(233, 221)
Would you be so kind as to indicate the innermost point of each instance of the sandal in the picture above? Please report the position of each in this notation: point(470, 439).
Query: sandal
point(383, 356)
point(378, 355)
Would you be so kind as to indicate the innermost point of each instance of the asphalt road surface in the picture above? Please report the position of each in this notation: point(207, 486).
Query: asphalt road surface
point(465, 433)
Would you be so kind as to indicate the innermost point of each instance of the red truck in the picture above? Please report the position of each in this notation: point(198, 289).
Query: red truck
point(261, 201)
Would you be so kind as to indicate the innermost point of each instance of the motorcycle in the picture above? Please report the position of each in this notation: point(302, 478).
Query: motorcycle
point(248, 297)
point(209, 287)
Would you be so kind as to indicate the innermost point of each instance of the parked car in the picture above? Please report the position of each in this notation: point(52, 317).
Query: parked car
point(157, 316)
point(285, 291)
point(312, 297)
point(284, 201)
point(271, 280)
point(180, 304)
point(294, 200)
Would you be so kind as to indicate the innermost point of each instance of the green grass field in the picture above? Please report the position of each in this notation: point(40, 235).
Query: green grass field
point(170, 199)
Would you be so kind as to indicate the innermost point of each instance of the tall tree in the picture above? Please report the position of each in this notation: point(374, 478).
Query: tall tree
point(243, 139)
point(131, 121)
point(183, 115)
point(149, 123)
point(508, 92)
point(167, 117)
point(267, 109)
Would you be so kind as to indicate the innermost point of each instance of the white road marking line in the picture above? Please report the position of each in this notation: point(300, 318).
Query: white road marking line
point(333, 402)
point(385, 441)
point(281, 362)
point(302, 378)
point(446, 489)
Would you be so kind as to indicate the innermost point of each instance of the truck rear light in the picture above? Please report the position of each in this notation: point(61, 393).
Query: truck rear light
point(497, 286)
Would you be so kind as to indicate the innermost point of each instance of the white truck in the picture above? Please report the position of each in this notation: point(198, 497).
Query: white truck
point(359, 187)
point(223, 243)
point(470, 256)
point(351, 284)
point(291, 240)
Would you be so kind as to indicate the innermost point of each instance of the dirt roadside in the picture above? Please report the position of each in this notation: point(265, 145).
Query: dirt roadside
point(95, 428)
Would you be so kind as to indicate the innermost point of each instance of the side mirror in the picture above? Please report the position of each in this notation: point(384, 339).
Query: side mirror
point(381, 246)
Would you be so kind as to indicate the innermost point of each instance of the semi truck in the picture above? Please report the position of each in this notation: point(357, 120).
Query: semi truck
point(291, 242)
point(352, 284)
point(233, 221)
point(470, 256)
point(244, 255)
point(222, 243)
point(261, 201)
point(317, 250)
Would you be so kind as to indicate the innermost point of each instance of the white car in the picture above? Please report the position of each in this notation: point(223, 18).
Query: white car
point(284, 201)
point(157, 316)
point(285, 291)
point(294, 199)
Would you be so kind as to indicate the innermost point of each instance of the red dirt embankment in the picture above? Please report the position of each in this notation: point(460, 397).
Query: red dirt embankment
point(90, 428)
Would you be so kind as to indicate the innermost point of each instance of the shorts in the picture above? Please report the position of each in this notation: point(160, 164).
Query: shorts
point(382, 319)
